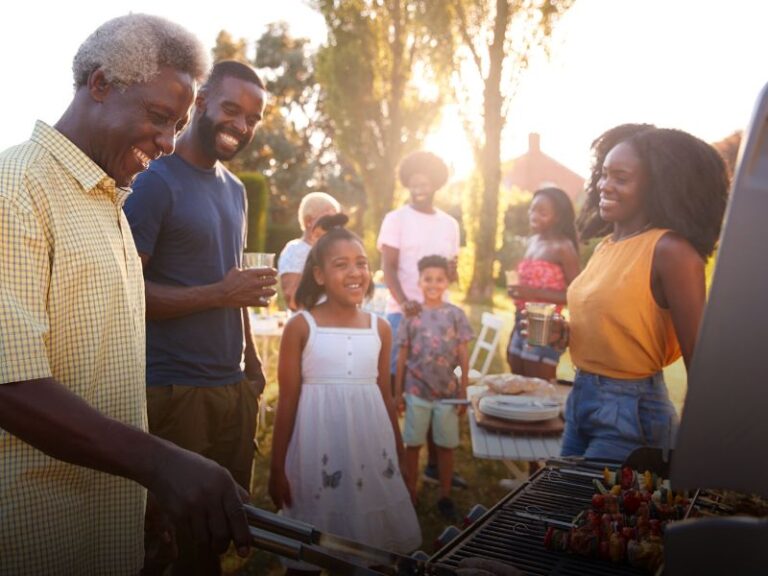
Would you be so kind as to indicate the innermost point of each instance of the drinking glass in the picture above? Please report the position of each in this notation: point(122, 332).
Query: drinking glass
point(258, 260)
point(539, 322)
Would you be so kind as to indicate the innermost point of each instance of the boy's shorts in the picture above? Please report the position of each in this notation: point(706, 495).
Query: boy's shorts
point(420, 412)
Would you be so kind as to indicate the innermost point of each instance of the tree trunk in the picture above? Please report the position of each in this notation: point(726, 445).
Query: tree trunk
point(481, 286)
point(379, 184)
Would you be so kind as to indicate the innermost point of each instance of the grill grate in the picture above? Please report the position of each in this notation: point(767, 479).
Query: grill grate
point(502, 535)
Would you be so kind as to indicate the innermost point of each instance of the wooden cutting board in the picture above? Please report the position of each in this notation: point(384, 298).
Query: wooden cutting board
point(544, 428)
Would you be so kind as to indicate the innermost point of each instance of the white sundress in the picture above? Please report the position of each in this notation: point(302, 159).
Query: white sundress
point(341, 462)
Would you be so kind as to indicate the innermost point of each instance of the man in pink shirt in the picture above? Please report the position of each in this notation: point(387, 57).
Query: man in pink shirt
point(408, 234)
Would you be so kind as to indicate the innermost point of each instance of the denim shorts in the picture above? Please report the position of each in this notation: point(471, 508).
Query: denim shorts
point(608, 418)
point(518, 346)
point(418, 415)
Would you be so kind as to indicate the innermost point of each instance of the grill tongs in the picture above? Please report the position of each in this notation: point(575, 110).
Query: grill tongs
point(301, 541)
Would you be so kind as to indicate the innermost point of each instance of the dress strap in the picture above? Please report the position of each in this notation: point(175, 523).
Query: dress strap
point(374, 323)
point(310, 319)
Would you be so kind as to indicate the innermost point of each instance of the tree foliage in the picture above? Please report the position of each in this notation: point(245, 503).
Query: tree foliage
point(291, 146)
point(375, 110)
point(227, 48)
point(281, 148)
point(496, 40)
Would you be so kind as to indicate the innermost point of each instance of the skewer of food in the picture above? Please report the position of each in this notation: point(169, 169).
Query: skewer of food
point(626, 520)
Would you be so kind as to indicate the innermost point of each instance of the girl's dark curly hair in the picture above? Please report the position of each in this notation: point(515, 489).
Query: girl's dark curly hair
point(565, 216)
point(426, 163)
point(309, 291)
point(686, 183)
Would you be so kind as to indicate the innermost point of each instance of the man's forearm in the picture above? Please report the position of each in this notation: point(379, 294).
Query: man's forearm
point(393, 283)
point(164, 301)
point(402, 357)
point(46, 415)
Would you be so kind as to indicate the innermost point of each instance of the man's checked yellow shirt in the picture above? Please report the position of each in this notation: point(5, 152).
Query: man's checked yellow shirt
point(71, 308)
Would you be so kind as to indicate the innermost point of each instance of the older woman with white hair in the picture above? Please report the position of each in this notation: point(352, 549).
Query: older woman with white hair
point(290, 265)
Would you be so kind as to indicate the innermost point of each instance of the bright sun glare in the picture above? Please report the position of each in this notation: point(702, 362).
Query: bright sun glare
point(449, 141)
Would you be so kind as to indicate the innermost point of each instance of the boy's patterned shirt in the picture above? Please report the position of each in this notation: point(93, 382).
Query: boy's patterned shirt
point(432, 339)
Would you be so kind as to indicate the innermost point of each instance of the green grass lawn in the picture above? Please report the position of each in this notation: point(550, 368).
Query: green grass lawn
point(483, 476)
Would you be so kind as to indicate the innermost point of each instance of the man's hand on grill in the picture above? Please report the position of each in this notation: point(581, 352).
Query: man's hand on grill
point(485, 567)
point(202, 494)
point(160, 547)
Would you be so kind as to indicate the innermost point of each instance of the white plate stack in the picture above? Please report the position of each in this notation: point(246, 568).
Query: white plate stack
point(520, 408)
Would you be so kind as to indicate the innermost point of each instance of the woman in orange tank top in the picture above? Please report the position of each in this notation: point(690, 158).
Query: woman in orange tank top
point(658, 197)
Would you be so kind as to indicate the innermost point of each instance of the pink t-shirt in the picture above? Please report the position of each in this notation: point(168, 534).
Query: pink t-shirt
point(416, 234)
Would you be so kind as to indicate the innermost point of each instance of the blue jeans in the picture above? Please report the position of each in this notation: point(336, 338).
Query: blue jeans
point(394, 319)
point(607, 418)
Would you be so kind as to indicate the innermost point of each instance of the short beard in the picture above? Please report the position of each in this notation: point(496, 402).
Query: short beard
point(206, 133)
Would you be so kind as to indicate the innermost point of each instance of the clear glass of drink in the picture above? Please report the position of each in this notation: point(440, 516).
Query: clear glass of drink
point(261, 260)
point(258, 260)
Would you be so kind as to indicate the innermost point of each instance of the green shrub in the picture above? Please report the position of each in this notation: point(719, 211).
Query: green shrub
point(280, 234)
point(257, 192)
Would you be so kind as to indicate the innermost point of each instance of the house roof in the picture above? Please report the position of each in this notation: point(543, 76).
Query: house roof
point(534, 170)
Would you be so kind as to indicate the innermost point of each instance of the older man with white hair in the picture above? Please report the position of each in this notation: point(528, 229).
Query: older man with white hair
point(74, 454)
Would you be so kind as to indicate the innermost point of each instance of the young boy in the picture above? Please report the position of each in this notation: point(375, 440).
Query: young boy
point(430, 346)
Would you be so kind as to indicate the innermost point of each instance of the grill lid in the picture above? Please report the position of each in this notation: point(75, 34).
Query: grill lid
point(722, 438)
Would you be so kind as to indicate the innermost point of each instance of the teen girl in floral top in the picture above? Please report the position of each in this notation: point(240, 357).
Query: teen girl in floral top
point(551, 261)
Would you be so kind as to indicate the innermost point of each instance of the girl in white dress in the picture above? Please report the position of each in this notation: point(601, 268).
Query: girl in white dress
point(337, 448)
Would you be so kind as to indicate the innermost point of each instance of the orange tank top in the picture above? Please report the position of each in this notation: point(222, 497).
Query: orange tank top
point(617, 328)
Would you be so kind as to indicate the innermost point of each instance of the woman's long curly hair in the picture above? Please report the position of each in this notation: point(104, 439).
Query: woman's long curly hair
point(686, 183)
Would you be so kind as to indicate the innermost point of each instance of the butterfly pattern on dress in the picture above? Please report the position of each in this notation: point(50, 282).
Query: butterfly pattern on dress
point(331, 480)
point(389, 471)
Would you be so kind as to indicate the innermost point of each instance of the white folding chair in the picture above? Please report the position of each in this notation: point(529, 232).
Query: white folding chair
point(487, 341)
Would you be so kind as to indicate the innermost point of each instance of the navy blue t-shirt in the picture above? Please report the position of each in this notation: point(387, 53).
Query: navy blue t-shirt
point(191, 223)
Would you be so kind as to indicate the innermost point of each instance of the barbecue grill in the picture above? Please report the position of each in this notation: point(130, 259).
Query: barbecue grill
point(510, 533)
point(513, 530)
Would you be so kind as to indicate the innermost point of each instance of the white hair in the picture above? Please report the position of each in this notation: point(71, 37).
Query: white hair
point(133, 48)
point(316, 203)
